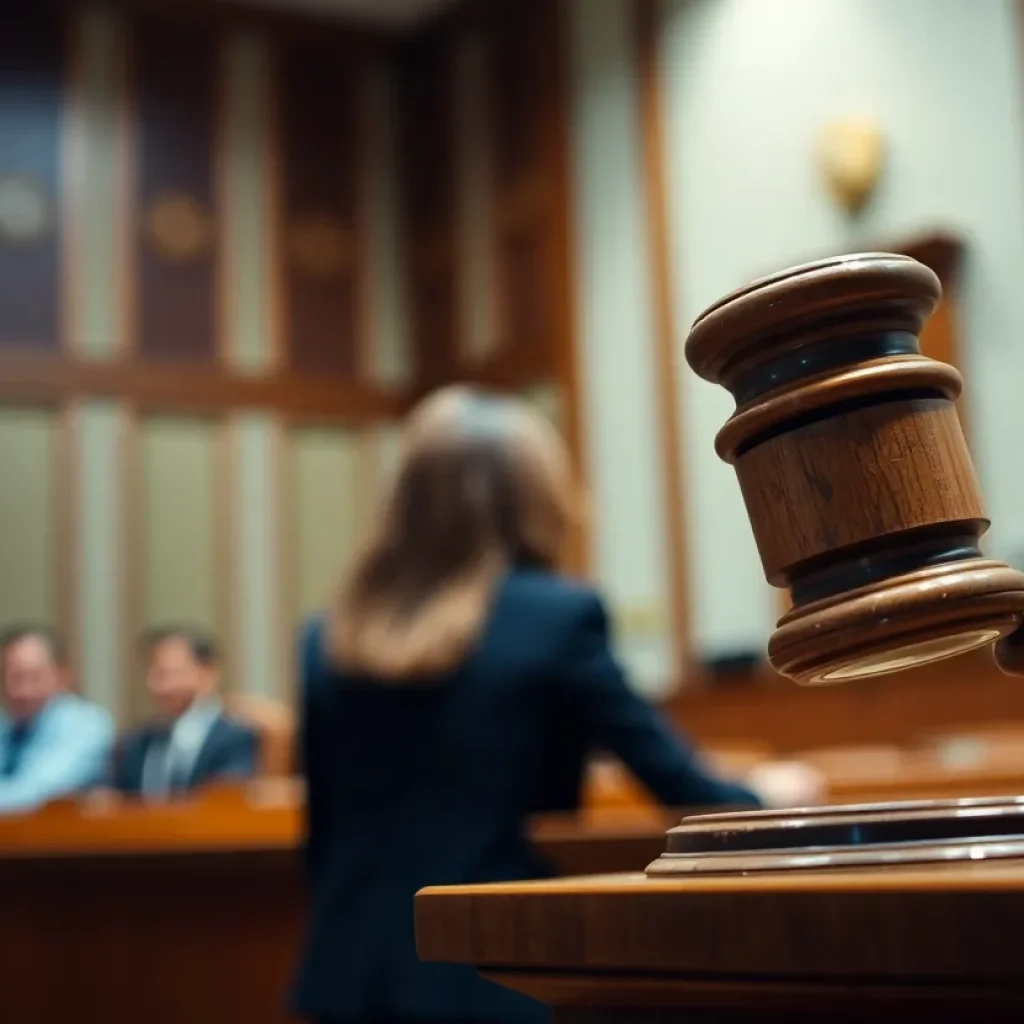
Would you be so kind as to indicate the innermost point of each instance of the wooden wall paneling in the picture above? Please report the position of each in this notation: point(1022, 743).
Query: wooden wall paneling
point(98, 269)
point(177, 93)
point(665, 341)
point(535, 279)
point(526, 36)
point(475, 131)
point(321, 234)
point(182, 387)
point(33, 56)
point(388, 359)
point(249, 181)
point(566, 363)
point(427, 160)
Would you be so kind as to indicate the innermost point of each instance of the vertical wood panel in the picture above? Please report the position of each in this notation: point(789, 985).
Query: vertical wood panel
point(28, 516)
point(429, 204)
point(97, 145)
point(475, 137)
point(176, 66)
point(526, 168)
point(322, 243)
point(247, 188)
point(32, 58)
point(388, 358)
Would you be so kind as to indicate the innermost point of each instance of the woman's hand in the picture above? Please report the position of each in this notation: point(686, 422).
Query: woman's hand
point(787, 784)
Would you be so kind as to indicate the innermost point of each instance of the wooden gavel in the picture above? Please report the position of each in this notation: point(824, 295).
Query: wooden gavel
point(856, 476)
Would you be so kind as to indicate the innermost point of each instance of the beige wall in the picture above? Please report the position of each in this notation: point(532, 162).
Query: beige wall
point(744, 87)
point(28, 515)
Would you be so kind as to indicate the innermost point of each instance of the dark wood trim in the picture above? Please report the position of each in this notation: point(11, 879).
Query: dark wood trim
point(181, 388)
point(942, 251)
point(567, 355)
point(280, 22)
point(665, 346)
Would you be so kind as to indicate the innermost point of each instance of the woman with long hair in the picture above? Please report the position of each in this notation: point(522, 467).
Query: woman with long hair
point(458, 686)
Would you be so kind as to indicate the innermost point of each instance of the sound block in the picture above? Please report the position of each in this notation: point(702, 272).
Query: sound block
point(852, 836)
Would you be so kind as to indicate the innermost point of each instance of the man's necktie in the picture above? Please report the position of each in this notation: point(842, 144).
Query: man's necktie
point(17, 740)
point(155, 781)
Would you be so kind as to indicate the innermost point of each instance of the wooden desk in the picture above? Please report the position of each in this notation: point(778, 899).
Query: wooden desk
point(886, 945)
point(185, 914)
point(194, 912)
point(191, 913)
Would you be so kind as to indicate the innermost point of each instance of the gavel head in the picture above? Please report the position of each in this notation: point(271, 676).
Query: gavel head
point(857, 480)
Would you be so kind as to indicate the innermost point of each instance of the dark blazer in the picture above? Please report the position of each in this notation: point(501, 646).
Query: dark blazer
point(419, 785)
point(230, 751)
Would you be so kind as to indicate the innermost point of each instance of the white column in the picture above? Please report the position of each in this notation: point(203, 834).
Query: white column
point(619, 399)
point(99, 492)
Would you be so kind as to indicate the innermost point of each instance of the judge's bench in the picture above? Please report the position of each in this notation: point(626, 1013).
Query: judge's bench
point(865, 507)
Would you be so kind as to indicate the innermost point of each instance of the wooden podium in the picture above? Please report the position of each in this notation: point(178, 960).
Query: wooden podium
point(930, 943)
point(865, 506)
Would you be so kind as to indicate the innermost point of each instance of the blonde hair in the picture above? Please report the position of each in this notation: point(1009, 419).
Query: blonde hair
point(483, 484)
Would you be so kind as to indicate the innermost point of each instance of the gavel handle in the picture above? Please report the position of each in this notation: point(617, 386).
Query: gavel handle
point(1009, 653)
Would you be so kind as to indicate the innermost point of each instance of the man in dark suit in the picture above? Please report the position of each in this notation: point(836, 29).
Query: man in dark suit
point(192, 742)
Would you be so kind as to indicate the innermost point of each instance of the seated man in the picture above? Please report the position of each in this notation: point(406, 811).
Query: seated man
point(52, 743)
point(192, 742)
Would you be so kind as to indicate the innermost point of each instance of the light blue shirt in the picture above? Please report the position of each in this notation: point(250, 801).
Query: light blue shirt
point(67, 750)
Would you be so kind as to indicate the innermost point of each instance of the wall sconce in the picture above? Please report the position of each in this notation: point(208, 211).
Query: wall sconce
point(851, 154)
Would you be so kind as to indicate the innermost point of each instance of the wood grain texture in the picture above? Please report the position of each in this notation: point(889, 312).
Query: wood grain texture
point(427, 182)
point(526, 166)
point(184, 387)
point(156, 938)
point(322, 238)
point(936, 924)
point(856, 476)
point(177, 102)
point(866, 945)
point(872, 473)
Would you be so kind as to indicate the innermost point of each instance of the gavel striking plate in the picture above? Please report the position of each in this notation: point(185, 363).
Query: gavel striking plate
point(865, 835)
point(854, 469)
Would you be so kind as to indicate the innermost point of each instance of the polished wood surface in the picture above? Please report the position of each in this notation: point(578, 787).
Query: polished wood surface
point(163, 914)
point(854, 470)
point(886, 941)
point(194, 910)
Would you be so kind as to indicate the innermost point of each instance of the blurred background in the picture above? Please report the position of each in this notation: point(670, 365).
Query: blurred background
point(237, 242)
